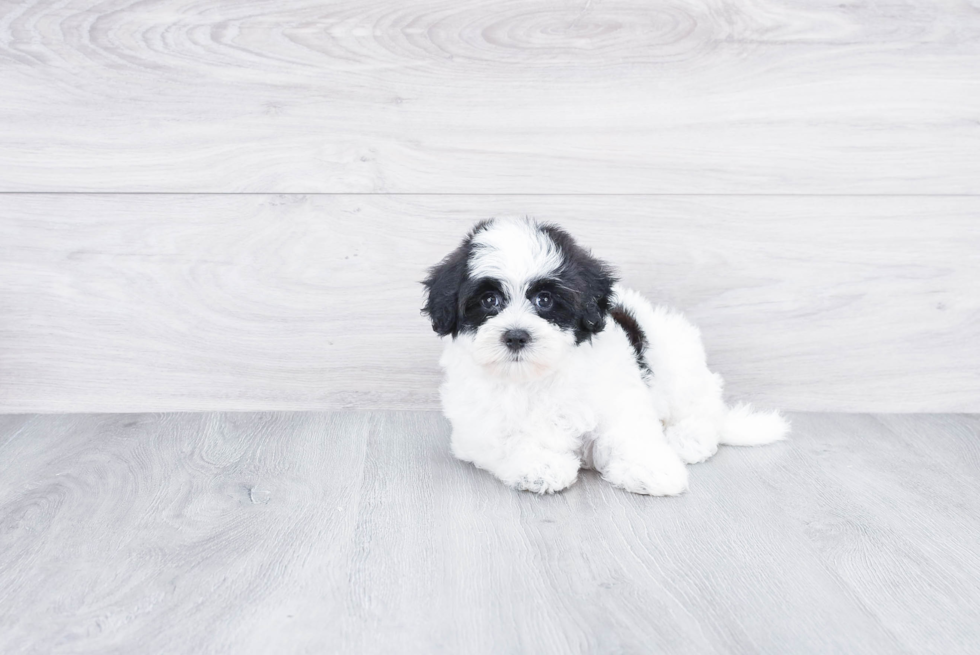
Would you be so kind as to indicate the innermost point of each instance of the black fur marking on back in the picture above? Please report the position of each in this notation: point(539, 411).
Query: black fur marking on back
point(638, 339)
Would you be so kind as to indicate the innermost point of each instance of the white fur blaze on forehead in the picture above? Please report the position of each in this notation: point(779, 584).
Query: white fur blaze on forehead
point(515, 252)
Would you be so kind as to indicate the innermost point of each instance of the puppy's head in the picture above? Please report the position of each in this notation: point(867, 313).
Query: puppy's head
point(520, 295)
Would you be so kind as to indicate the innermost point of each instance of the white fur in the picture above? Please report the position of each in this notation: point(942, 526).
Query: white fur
point(515, 252)
point(535, 420)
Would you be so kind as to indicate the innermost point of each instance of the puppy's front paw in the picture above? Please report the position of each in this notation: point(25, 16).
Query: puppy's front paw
point(548, 475)
point(660, 475)
point(693, 440)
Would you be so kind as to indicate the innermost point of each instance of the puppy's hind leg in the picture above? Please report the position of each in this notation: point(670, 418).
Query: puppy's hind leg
point(686, 395)
point(693, 438)
point(689, 395)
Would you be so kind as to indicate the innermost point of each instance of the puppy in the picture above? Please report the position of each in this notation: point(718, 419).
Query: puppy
point(552, 366)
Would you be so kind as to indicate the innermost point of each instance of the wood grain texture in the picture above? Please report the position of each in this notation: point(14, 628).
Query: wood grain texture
point(179, 303)
point(891, 510)
point(459, 96)
point(314, 533)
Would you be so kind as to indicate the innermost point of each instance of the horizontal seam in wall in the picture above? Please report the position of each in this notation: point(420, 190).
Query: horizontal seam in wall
point(485, 194)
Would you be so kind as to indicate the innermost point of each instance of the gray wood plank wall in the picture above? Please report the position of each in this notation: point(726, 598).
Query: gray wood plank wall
point(520, 96)
point(802, 178)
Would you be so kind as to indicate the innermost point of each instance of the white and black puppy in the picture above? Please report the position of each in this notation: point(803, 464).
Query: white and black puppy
point(552, 366)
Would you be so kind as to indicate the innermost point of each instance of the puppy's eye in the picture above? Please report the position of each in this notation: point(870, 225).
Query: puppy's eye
point(543, 300)
point(490, 300)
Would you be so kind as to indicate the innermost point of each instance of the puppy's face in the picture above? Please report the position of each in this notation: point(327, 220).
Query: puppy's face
point(519, 295)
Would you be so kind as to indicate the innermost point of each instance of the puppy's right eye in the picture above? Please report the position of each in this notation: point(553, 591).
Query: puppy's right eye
point(490, 300)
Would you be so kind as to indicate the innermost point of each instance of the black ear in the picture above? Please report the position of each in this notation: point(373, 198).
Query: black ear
point(598, 281)
point(444, 282)
point(591, 277)
point(442, 291)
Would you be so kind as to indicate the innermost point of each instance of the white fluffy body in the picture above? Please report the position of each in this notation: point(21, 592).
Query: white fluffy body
point(535, 417)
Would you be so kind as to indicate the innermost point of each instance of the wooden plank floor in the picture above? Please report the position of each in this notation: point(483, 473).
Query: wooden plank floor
point(358, 533)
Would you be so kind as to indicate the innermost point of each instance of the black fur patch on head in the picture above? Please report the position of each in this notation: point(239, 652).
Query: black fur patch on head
point(473, 313)
point(585, 283)
point(443, 286)
point(580, 290)
point(638, 338)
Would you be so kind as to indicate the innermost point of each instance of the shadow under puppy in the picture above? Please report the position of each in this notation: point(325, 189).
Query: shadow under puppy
point(552, 366)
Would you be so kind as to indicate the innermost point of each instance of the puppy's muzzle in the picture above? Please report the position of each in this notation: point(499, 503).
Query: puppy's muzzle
point(516, 340)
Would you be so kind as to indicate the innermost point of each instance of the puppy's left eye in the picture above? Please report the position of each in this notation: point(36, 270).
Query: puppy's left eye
point(543, 300)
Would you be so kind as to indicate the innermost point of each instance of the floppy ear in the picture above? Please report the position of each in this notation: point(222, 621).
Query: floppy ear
point(598, 281)
point(442, 291)
point(592, 277)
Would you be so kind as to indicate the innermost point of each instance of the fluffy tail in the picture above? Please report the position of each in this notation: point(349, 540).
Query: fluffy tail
point(745, 427)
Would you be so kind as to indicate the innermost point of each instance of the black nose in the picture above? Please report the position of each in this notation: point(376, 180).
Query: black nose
point(516, 339)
